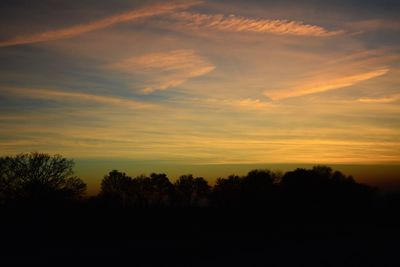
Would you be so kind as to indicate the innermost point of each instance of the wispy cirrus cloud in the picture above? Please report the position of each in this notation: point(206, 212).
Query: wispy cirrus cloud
point(323, 85)
point(374, 25)
point(248, 104)
point(163, 70)
point(69, 32)
point(234, 23)
point(379, 100)
point(74, 96)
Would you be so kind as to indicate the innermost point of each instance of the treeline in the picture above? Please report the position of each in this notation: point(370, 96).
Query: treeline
point(319, 186)
point(41, 179)
point(316, 214)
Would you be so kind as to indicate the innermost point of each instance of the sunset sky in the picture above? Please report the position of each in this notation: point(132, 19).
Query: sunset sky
point(154, 83)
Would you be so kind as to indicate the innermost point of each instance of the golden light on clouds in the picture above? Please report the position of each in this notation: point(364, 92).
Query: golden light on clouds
point(75, 96)
point(318, 86)
point(385, 99)
point(129, 16)
point(233, 23)
point(187, 81)
point(170, 68)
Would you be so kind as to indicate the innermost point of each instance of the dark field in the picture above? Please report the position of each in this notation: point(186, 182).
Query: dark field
point(305, 217)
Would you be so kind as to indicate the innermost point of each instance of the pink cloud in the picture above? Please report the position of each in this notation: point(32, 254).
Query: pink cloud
point(234, 23)
point(69, 32)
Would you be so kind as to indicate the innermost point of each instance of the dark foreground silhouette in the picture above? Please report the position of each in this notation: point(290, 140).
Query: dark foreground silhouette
point(305, 217)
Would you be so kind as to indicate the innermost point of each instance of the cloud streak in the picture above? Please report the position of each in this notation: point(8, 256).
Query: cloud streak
point(248, 104)
point(381, 100)
point(75, 96)
point(234, 23)
point(164, 70)
point(325, 85)
point(69, 32)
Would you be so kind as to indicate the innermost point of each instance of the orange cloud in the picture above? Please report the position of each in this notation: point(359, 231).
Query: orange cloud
point(63, 95)
point(234, 23)
point(374, 25)
point(249, 104)
point(313, 86)
point(386, 99)
point(69, 32)
point(165, 69)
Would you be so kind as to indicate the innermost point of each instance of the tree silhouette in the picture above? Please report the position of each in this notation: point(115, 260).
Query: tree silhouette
point(161, 190)
point(191, 191)
point(321, 187)
point(255, 189)
point(41, 178)
point(228, 192)
point(37, 177)
point(116, 186)
point(142, 191)
point(258, 187)
point(304, 204)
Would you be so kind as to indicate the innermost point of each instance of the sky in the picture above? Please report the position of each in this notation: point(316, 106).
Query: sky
point(201, 83)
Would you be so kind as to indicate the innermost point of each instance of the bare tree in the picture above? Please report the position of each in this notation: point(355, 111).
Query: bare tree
point(39, 176)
